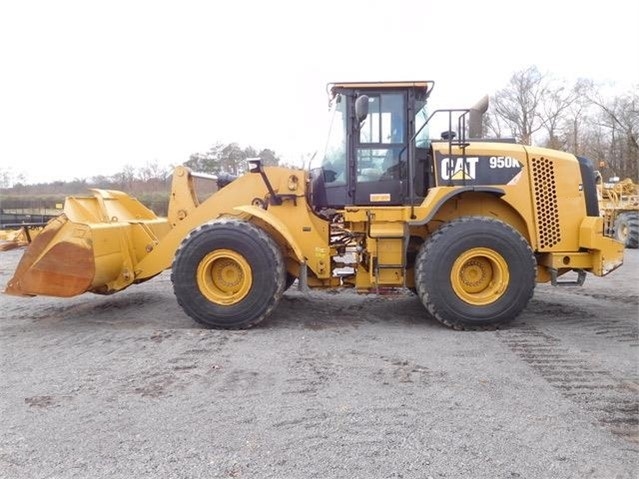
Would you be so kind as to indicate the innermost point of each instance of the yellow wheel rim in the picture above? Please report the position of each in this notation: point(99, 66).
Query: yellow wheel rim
point(479, 276)
point(224, 277)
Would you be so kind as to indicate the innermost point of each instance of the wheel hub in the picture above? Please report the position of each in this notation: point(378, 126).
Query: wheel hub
point(224, 277)
point(479, 276)
point(227, 274)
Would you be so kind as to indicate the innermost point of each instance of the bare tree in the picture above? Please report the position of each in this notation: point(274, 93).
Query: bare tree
point(619, 117)
point(8, 177)
point(577, 136)
point(575, 118)
point(152, 171)
point(517, 106)
point(555, 109)
point(124, 179)
point(493, 125)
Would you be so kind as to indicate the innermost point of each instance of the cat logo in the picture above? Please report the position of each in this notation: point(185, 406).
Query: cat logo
point(459, 168)
point(479, 170)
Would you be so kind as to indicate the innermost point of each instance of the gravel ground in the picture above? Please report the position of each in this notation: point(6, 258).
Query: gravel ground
point(333, 385)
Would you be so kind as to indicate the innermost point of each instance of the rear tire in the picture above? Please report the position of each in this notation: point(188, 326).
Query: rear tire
point(626, 229)
point(228, 274)
point(475, 273)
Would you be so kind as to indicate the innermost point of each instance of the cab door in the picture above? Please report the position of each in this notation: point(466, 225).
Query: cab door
point(379, 151)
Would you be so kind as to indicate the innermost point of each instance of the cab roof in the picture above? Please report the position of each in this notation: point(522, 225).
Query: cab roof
point(425, 85)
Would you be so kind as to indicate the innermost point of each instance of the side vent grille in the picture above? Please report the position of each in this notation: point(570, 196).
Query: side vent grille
point(546, 202)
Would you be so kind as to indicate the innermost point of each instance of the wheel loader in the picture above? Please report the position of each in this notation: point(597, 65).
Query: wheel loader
point(619, 205)
point(468, 224)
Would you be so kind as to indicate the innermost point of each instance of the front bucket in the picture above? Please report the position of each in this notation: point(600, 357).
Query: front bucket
point(59, 262)
point(93, 246)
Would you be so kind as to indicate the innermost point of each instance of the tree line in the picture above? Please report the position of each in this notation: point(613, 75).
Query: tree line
point(230, 158)
point(152, 177)
point(579, 117)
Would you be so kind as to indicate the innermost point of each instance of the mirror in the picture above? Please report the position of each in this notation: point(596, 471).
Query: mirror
point(361, 108)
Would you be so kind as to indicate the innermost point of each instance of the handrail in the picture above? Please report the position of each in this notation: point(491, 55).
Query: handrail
point(460, 142)
point(450, 113)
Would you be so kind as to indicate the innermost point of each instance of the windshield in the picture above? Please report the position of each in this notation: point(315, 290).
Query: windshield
point(333, 158)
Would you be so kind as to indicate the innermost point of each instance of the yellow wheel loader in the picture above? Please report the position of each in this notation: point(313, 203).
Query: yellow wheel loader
point(469, 224)
point(619, 205)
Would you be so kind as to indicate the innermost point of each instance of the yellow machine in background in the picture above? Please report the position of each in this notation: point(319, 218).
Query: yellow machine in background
point(15, 238)
point(469, 224)
point(619, 204)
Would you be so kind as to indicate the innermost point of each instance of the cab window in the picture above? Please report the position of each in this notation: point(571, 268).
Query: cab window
point(385, 120)
point(381, 138)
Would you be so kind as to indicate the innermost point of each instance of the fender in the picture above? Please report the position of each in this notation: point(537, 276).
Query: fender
point(276, 224)
point(442, 196)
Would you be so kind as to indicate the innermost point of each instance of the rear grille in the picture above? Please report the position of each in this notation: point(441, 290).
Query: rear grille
point(546, 210)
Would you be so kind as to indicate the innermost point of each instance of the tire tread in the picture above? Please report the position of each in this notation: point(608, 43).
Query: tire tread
point(249, 228)
point(427, 251)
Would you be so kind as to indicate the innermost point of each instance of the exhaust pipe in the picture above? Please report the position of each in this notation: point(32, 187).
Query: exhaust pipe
point(475, 118)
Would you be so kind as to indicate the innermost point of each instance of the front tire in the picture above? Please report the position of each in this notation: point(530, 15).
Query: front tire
point(475, 273)
point(228, 274)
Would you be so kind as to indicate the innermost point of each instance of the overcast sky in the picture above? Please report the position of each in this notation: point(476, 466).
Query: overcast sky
point(89, 86)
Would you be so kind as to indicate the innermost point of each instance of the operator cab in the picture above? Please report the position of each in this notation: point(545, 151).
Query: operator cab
point(369, 156)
